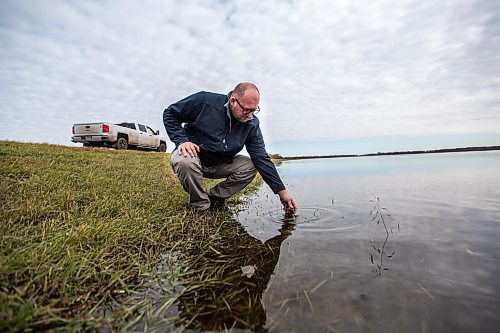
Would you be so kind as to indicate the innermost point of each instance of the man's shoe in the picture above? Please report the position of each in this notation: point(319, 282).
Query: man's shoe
point(216, 202)
point(206, 213)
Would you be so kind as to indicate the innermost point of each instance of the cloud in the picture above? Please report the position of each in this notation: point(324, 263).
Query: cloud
point(326, 70)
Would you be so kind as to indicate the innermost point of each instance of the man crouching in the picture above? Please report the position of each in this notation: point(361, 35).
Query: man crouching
point(209, 130)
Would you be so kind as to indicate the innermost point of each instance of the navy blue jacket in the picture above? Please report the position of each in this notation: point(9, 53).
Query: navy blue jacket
point(203, 119)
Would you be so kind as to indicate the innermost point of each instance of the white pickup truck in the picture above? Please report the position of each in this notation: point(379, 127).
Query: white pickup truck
point(119, 136)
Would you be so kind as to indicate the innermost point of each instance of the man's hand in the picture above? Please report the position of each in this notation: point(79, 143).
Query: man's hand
point(289, 205)
point(188, 148)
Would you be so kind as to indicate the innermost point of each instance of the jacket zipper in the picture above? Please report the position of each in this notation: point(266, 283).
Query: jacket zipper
point(227, 134)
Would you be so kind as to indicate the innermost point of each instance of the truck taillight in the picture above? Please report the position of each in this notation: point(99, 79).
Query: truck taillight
point(73, 129)
point(105, 128)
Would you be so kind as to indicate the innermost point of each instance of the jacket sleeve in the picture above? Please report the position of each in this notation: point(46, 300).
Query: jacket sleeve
point(183, 111)
point(260, 158)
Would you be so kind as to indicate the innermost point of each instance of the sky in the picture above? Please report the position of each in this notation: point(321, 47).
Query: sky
point(335, 77)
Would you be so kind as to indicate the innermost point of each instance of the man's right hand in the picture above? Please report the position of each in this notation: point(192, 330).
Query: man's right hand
point(188, 149)
point(287, 201)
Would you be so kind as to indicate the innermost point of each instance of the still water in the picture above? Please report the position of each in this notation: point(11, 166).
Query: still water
point(407, 243)
point(431, 265)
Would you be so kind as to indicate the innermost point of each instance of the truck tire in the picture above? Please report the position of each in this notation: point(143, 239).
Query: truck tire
point(122, 143)
point(162, 147)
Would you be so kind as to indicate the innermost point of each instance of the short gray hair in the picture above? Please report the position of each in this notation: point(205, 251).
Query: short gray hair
point(240, 89)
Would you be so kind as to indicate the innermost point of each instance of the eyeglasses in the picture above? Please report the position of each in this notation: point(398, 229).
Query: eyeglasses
point(246, 110)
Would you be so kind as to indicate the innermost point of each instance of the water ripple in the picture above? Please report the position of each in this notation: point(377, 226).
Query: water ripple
point(319, 219)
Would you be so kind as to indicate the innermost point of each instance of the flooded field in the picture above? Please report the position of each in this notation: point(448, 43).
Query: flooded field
point(379, 244)
point(439, 267)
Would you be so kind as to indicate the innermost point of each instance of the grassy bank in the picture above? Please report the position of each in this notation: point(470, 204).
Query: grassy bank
point(79, 228)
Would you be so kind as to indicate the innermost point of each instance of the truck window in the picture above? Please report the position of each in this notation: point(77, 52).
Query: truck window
point(150, 130)
point(128, 125)
point(142, 128)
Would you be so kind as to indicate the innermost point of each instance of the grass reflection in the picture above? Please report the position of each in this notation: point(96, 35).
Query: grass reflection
point(218, 294)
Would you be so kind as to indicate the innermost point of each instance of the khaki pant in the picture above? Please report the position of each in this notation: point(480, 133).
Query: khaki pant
point(190, 172)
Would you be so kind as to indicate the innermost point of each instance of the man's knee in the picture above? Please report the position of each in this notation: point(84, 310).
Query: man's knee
point(185, 164)
point(247, 168)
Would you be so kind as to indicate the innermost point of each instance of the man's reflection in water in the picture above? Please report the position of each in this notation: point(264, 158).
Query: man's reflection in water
point(218, 295)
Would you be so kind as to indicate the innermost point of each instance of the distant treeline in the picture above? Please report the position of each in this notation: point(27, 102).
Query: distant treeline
point(447, 150)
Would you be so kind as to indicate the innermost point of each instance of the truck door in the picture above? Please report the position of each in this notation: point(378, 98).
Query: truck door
point(144, 139)
point(133, 136)
point(155, 139)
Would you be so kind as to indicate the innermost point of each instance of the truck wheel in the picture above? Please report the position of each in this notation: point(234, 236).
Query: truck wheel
point(121, 143)
point(162, 147)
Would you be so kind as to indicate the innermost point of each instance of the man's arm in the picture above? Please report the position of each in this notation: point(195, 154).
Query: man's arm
point(260, 158)
point(183, 111)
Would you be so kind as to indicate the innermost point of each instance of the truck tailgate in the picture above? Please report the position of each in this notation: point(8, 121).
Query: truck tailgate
point(90, 129)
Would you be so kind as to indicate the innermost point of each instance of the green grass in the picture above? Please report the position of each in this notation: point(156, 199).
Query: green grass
point(80, 228)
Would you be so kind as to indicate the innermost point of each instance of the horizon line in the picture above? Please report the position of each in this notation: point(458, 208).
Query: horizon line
point(431, 151)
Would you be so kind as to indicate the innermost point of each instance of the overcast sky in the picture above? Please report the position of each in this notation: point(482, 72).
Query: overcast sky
point(335, 76)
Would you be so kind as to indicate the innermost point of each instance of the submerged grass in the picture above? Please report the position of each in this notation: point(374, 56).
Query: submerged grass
point(79, 227)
